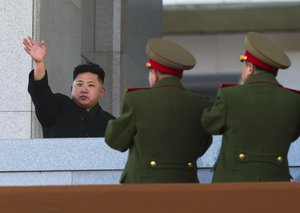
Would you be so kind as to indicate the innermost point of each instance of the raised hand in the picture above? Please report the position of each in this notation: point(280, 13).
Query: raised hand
point(36, 51)
point(38, 55)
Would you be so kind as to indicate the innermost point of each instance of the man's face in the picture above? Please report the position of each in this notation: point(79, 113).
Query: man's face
point(87, 90)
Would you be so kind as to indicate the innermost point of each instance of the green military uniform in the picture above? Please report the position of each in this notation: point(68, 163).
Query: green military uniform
point(161, 126)
point(259, 120)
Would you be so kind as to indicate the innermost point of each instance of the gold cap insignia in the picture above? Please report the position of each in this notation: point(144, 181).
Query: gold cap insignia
point(243, 57)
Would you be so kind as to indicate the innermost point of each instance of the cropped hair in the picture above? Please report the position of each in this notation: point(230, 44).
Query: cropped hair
point(166, 74)
point(89, 67)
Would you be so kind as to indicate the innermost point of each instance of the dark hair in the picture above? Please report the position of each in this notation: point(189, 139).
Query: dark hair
point(89, 67)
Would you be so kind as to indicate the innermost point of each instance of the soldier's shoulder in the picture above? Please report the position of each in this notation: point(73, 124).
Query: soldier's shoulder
point(227, 85)
point(130, 90)
point(293, 90)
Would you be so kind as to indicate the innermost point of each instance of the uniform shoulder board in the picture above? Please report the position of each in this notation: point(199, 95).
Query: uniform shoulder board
point(293, 90)
point(134, 89)
point(227, 85)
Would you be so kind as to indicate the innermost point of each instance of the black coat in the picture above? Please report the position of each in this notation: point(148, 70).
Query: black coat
point(60, 117)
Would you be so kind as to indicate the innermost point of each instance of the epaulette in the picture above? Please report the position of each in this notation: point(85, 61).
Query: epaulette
point(134, 89)
point(227, 85)
point(292, 90)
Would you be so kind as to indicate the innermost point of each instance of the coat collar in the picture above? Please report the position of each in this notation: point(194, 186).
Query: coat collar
point(168, 82)
point(262, 77)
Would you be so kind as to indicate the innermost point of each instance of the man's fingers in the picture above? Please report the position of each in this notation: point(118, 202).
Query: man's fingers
point(27, 50)
point(43, 44)
point(31, 40)
point(26, 43)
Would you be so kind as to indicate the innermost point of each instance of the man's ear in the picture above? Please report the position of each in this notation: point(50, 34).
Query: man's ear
point(156, 75)
point(251, 69)
point(102, 91)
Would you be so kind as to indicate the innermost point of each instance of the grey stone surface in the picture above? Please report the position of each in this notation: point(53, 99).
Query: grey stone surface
point(137, 73)
point(295, 173)
point(210, 156)
point(104, 25)
point(35, 178)
point(88, 27)
point(77, 3)
point(96, 177)
point(85, 161)
point(105, 60)
point(84, 154)
point(117, 84)
point(205, 175)
point(59, 155)
point(137, 29)
point(293, 156)
point(15, 24)
point(15, 125)
point(291, 78)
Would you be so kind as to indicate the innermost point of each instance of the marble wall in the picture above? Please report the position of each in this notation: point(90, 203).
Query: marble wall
point(15, 107)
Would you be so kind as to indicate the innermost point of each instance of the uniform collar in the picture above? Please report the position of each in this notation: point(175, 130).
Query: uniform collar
point(168, 82)
point(262, 77)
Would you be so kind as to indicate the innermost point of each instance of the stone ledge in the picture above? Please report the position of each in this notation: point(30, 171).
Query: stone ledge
point(85, 154)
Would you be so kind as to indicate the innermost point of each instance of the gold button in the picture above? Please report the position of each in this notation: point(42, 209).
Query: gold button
point(279, 159)
point(153, 164)
point(190, 165)
point(241, 156)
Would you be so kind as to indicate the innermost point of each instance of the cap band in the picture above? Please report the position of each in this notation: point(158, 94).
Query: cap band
point(252, 59)
point(161, 68)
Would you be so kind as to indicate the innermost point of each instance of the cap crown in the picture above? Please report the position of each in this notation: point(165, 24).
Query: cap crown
point(170, 54)
point(266, 50)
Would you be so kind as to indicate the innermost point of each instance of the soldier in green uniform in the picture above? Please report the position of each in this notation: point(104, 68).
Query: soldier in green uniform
point(258, 119)
point(161, 126)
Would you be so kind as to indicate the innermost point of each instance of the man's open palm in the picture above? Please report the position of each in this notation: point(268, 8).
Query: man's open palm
point(37, 52)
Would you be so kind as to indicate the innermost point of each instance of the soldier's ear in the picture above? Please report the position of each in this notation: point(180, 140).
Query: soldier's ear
point(156, 76)
point(251, 69)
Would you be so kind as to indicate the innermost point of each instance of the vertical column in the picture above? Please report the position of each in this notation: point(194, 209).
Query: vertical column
point(141, 20)
point(116, 40)
point(15, 105)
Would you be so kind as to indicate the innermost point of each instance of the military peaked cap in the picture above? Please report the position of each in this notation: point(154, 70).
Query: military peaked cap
point(264, 53)
point(168, 57)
